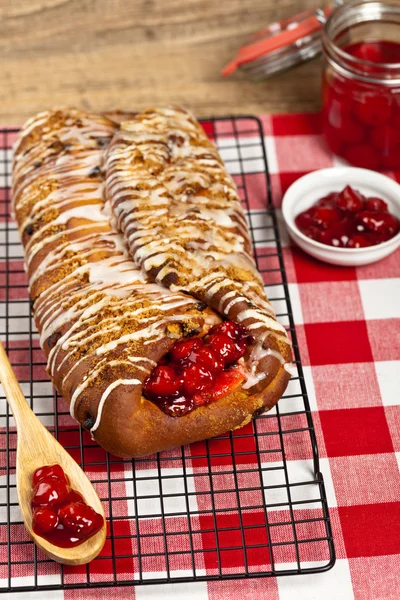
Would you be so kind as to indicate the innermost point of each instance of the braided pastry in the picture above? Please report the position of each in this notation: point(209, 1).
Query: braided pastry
point(136, 247)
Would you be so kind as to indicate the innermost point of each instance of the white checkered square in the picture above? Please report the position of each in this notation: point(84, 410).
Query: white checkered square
point(380, 298)
point(274, 482)
point(270, 148)
point(303, 470)
point(280, 306)
point(43, 580)
point(292, 400)
point(387, 372)
point(241, 156)
point(14, 248)
point(3, 181)
point(332, 585)
point(274, 291)
point(308, 377)
point(282, 229)
point(298, 471)
point(173, 591)
point(295, 301)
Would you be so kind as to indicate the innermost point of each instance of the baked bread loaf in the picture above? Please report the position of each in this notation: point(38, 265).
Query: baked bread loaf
point(126, 276)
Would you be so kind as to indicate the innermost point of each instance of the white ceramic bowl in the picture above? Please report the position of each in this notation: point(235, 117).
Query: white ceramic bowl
point(304, 192)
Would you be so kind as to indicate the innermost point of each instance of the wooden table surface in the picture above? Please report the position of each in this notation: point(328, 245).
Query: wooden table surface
point(129, 54)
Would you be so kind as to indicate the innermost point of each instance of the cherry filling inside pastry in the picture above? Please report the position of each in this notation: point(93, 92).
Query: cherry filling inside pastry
point(197, 371)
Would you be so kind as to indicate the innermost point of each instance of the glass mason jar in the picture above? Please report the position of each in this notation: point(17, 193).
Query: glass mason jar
point(361, 94)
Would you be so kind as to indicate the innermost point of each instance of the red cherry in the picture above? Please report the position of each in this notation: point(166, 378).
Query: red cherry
point(347, 129)
point(203, 398)
point(378, 238)
point(182, 349)
point(351, 132)
point(50, 492)
point(313, 233)
point(391, 161)
point(396, 116)
point(329, 200)
point(332, 138)
point(358, 241)
point(375, 51)
point(228, 328)
point(373, 109)
point(233, 330)
point(227, 382)
point(224, 347)
point(208, 358)
point(44, 519)
point(196, 378)
point(362, 155)
point(385, 139)
point(53, 471)
point(365, 51)
point(371, 220)
point(80, 519)
point(329, 238)
point(375, 204)
point(178, 406)
point(324, 215)
point(381, 222)
point(163, 381)
point(344, 229)
point(390, 224)
point(241, 348)
point(350, 200)
point(75, 496)
point(304, 220)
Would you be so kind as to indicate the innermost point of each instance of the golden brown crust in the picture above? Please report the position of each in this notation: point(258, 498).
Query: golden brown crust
point(140, 428)
point(65, 245)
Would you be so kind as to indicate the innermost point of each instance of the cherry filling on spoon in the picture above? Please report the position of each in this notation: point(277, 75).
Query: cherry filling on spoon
point(60, 514)
point(198, 371)
point(348, 219)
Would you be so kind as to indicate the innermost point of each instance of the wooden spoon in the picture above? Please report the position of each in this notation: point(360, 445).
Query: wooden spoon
point(36, 447)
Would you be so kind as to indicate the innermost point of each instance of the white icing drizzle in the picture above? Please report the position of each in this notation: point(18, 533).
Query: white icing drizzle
point(290, 368)
point(105, 395)
point(253, 379)
point(257, 354)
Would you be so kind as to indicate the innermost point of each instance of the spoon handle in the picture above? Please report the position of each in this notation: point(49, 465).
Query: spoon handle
point(12, 389)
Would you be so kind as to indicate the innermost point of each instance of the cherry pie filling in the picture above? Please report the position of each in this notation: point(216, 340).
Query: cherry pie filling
point(197, 371)
point(347, 219)
point(60, 514)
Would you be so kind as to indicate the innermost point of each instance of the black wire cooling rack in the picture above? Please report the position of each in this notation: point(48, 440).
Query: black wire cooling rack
point(251, 503)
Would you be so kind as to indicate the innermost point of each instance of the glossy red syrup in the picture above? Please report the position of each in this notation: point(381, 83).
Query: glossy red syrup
point(60, 514)
point(198, 371)
point(376, 51)
point(347, 219)
point(361, 119)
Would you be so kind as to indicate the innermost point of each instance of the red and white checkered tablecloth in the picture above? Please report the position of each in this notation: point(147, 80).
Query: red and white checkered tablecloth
point(348, 325)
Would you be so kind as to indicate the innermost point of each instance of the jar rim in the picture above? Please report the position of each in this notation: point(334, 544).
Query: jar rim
point(340, 19)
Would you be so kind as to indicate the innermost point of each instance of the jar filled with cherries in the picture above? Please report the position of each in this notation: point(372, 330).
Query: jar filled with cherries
point(361, 83)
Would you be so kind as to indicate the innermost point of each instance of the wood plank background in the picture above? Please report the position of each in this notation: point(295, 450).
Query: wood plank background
point(129, 54)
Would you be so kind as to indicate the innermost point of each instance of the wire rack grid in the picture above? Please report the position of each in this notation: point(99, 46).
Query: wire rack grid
point(250, 503)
